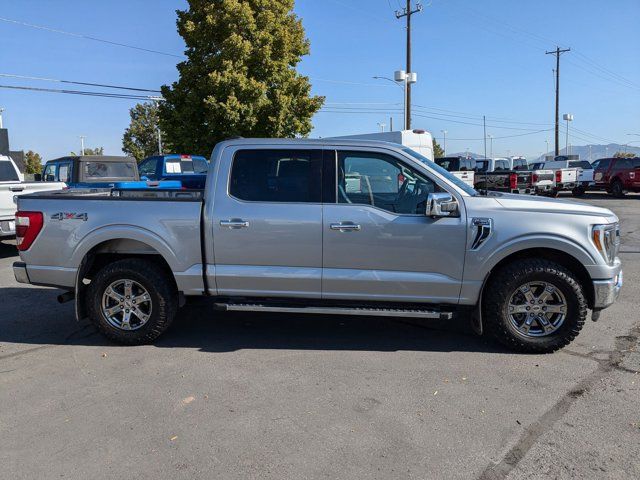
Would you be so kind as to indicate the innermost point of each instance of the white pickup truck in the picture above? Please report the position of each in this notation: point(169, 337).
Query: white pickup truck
point(11, 184)
point(574, 175)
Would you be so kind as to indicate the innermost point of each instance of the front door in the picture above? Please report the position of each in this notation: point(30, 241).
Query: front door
point(267, 225)
point(378, 244)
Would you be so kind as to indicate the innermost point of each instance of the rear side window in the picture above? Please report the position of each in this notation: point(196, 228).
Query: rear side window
point(581, 164)
point(99, 170)
point(285, 176)
point(624, 163)
point(64, 171)
point(603, 163)
point(449, 164)
point(7, 172)
point(502, 165)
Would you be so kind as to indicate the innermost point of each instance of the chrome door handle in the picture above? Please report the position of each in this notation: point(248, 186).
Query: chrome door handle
point(345, 227)
point(234, 223)
point(16, 189)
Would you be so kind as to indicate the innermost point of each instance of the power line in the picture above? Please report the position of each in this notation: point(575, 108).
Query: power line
point(88, 37)
point(25, 77)
point(77, 92)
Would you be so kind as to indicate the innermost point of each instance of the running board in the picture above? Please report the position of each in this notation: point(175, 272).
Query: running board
point(369, 312)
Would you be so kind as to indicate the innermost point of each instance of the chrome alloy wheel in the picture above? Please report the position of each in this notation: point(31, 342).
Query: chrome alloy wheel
point(126, 304)
point(537, 309)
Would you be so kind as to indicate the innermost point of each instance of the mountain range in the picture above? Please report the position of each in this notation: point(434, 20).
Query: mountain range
point(586, 152)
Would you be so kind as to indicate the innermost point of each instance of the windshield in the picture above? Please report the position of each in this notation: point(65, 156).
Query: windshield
point(437, 168)
point(7, 172)
point(109, 170)
point(449, 164)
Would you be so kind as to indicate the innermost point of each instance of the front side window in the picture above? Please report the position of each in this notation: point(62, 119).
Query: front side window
point(289, 176)
point(380, 180)
point(49, 173)
point(64, 170)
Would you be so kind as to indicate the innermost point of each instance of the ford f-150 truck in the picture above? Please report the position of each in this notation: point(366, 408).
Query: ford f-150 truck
point(498, 175)
point(325, 226)
point(12, 184)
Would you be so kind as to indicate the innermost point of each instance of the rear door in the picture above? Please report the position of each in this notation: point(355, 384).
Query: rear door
point(267, 223)
point(378, 244)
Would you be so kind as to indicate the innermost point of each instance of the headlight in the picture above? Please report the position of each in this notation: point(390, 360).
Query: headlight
point(606, 238)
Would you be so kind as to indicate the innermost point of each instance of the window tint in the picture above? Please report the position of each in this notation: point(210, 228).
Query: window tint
point(7, 172)
point(99, 170)
point(482, 165)
point(64, 170)
point(520, 164)
point(148, 168)
point(502, 165)
point(292, 176)
point(382, 181)
point(623, 163)
point(49, 173)
point(636, 163)
point(449, 164)
point(603, 163)
point(200, 165)
point(581, 164)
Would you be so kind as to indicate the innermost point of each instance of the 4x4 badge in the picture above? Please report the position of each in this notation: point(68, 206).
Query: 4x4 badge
point(69, 216)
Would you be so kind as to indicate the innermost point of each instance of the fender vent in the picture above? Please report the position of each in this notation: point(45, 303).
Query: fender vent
point(482, 228)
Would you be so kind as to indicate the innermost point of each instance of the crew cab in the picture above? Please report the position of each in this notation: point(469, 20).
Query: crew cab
point(498, 175)
point(189, 170)
point(11, 184)
point(617, 175)
point(584, 178)
point(325, 226)
point(461, 167)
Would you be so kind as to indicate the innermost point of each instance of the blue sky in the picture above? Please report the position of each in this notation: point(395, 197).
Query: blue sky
point(472, 58)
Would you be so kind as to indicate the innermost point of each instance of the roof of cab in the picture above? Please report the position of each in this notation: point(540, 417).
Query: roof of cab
point(95, 158)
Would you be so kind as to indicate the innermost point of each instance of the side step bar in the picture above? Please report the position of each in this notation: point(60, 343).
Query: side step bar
point(369, 312)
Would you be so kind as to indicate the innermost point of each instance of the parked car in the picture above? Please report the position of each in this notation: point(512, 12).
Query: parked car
point(280, 228)
point(11, 184)
point(190, 170)
point(617, 175)
point(543, 180)
point(496, 174)
point(584, 177)
point(461, 167)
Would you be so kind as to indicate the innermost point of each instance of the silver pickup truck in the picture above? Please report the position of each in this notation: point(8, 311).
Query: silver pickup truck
point(325, 226)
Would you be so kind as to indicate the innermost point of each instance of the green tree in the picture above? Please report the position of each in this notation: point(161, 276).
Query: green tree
point(239, 77)
point(140, 139)
point(32, 162)
point(437, 150)
point(624, 155)
point(91, 151)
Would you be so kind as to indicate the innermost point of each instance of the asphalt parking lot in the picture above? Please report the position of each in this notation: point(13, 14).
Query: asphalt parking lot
point(272, 396)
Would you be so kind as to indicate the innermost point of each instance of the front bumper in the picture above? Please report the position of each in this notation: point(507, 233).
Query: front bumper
point(606, 291)
point(20, 272)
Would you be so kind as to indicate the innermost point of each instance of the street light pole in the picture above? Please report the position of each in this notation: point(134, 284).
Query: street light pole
point(568, 117)
point(444, 142)
point(490, 145)
point(82, 137)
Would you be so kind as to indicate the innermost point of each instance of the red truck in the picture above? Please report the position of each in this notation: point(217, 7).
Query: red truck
point(617, 175)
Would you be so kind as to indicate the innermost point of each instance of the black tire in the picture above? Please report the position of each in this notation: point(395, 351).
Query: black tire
point(554, 193)
point(507, 280)
point(617, 189)
point(578, 191)
point(161, 290)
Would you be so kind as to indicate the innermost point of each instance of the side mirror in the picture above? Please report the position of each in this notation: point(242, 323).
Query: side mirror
point(441, 205)
point(37, 177)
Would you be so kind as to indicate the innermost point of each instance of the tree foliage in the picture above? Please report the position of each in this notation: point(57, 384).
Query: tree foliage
point(437, 149)
point(91, 151)
point(140, 139)
point(239, 77)
point(624, 155)
point(32, 162)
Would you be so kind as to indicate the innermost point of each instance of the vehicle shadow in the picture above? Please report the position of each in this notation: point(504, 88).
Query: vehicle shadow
point(32, 316)
point(8, 249)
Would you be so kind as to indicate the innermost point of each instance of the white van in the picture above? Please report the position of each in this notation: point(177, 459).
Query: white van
point(419, 140)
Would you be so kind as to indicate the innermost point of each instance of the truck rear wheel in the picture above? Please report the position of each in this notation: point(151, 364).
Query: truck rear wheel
point(132, 301)
point(534, 306)
point(617, 189)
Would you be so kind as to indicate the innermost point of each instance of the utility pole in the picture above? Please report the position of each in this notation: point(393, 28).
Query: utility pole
point(557, 52)
point(82, 137)
point(1, 110)
point(490, 145)
point(408, 12)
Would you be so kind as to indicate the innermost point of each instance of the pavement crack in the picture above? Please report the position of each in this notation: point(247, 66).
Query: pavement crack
point(531, 434)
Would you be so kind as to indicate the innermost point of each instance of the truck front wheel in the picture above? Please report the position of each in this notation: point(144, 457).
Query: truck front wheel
point(534, 305)
point(132, 301)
